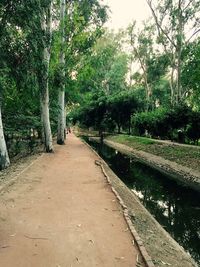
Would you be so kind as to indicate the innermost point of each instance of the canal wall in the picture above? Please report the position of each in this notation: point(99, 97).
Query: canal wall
point(176, 171)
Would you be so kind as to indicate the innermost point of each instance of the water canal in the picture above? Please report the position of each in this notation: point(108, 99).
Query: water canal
point(175, 207)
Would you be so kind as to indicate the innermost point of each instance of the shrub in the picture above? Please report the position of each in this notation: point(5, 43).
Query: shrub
point(154, 122)
point(175, 124)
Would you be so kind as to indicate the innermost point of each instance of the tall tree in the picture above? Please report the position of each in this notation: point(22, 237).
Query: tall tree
point(105, 68)
point(8, 37)
point(80, 25)
point(142, 50)
point(4, 158)
point(191, 73)
point(43, 72)
point(173, 20)
point(61, 96)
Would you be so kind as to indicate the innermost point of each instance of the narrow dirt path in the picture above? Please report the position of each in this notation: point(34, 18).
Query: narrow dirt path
point(62, 213)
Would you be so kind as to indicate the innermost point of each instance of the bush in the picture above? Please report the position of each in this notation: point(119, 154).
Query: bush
point(174, 124)
point(193, 128)
point(154, 122)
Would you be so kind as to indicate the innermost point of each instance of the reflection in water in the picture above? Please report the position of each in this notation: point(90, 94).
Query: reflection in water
point(174, 206)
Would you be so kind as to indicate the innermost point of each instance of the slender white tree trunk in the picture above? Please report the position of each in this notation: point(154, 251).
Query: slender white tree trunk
point(179, 51)
point(44, 83)
point(4, 158)
point(172, 87)
point(47, 135)
point(61, 98)
point(61, 118)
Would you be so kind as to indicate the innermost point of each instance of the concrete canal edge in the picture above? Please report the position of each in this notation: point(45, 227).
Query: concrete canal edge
point(176, 171)
point(161, 240)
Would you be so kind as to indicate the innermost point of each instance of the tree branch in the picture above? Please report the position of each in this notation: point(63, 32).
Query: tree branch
point(158, 24)
point(190, 2)
point(193, 35)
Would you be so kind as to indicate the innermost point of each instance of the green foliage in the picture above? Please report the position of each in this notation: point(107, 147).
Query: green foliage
point(191, 73)
point(192, 130)
point(105, 68)
point(22, 68)
point(154, 122)
point(107, 112)
point(121, 106)
point(178, 122)
point(157, 67)
point(177, 24)
point(95, 74)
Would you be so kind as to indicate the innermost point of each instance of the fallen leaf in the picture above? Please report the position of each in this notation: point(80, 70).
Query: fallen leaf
point(5, 246)
point(13, 235)
point(30, 237)
point(165, 263)
point(137, 258)
point(119, 258)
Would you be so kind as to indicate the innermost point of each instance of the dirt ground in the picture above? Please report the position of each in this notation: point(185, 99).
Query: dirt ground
point(61, 212)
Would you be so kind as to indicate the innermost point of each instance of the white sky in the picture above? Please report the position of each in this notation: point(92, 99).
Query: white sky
point(125, 11)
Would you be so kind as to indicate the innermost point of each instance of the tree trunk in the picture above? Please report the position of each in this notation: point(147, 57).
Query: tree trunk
point(61, 99)
point(4, 158)
point(147, 89)
point(179, 52)
point(44, 82)
point(47, 135)
point(172, 87)
point(146, 84)
point(119, 128)
point(129, 125)
point(61, 118)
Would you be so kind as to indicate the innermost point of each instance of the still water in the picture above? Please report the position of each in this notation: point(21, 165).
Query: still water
point(175, 207)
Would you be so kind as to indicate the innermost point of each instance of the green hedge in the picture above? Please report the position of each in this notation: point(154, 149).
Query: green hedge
point(180, 123)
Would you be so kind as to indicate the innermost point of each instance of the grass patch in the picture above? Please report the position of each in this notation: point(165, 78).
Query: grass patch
point(132, 140)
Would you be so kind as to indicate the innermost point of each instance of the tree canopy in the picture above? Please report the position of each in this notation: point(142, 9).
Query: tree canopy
point(60, 64)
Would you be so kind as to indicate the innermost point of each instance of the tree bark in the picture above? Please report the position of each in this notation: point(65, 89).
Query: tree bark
point(179, 52)
point(172, 87)
point(61, 99)
point(147, 85)
point(47, 135)
point(44, 81)
point(4, 158)
point(119, 128)
point(61, 118)
point(129, 125)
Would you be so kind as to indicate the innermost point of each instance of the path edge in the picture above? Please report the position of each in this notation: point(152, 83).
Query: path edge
point(146, 257)
point(14, 179)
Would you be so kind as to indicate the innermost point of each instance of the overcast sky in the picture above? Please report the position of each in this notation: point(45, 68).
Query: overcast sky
point(125, 11)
